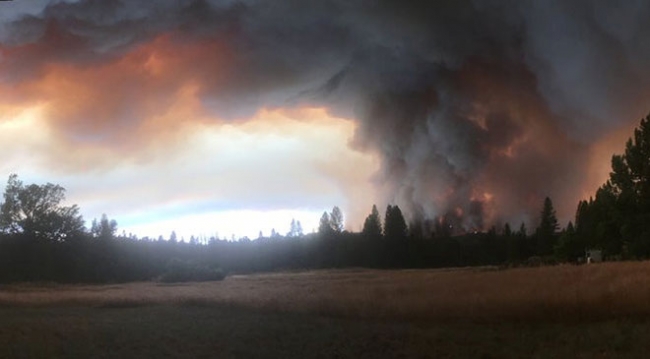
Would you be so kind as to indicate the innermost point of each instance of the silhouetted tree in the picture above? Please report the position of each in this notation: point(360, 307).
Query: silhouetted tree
point(583, 219)
point(105, 229)
point(597, 225)
point(36, 211)
point(622, 205)
point(507, 231)
point(569, 247)
point(372, 224)
point(513, 248)
point(395, 227)
point(630, 176)
point(524, 247)
point(523, 232)
point(546, 233)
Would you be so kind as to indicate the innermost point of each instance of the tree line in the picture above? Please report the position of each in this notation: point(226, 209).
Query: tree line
point(43, 240)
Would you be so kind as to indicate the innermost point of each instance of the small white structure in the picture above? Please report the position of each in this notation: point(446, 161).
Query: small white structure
point(594, 256)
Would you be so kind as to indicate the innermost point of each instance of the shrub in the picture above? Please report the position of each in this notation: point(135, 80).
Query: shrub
point(186, 271)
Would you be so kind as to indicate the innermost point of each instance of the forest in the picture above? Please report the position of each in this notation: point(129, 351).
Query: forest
point(42, 240)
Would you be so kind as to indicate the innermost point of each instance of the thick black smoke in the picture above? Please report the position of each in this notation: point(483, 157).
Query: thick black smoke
point(478, 109)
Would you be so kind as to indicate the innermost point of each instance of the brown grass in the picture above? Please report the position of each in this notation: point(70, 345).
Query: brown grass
point(596, 311)
point(565, 292)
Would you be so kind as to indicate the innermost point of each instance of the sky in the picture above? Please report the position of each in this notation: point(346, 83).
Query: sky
point(233, 117)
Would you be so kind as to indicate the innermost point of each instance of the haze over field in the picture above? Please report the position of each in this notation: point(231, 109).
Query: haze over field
point(228, 117)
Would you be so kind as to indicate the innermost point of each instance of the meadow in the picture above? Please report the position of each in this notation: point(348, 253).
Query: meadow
point(600, 310)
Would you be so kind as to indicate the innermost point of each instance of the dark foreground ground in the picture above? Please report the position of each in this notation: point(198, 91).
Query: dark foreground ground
point(221, 331)
point(594, 311)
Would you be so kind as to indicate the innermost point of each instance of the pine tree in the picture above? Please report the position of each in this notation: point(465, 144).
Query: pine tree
point(395, 227)
point(621, 211)
point(569, 247)
point(546, 234)
point(336, 220)
point(299, 231)
point(507, 231)
point(296, 229)
point(325, 226)
point(522, 232)
point(630, 176)
point(292, 229)
point(511, 242)
point(372, 224)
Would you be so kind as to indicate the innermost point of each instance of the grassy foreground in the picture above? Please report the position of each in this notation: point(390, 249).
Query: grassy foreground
point(563, 311)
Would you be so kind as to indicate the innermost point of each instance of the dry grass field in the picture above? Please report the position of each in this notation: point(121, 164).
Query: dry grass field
point(598, 310)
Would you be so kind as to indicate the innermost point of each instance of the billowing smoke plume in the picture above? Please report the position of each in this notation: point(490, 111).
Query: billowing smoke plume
point(478, 109)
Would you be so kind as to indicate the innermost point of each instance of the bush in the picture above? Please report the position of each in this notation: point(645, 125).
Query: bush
point(185, 271)
point(538, 261)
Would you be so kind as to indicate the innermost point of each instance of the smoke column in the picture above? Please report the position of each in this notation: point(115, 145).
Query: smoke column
point(477, 109)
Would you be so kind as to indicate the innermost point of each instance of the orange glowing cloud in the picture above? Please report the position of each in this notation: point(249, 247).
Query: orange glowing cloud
point(150, 91)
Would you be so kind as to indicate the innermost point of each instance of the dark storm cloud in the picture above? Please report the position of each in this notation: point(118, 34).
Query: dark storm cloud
point(480, 108)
